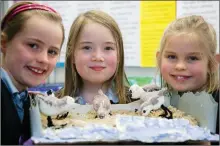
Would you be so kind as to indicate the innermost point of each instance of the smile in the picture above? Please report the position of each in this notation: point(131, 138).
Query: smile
point(36, 70)
point(180, 78)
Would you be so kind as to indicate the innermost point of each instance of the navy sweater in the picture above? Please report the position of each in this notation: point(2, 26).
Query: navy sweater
point(11, 126)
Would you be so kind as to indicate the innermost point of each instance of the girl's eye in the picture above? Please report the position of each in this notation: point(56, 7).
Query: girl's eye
point(34, 46)
point(87, 48)
point(193, 58)
point(53, 52)
point(171, 56)
point(109, 48)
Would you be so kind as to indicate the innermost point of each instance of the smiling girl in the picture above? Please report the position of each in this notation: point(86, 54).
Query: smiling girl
point(31, 39)
point(187, 57)
point(95, 59)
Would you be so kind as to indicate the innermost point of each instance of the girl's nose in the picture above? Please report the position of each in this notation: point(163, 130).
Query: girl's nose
point(97, 55)
point(43, 57)
point(180, 65)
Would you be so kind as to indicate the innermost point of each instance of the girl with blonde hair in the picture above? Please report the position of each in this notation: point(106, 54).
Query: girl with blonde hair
point(186, 58)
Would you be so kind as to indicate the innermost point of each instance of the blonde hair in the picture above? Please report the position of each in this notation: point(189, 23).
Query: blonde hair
point(196, 28)
point(16, 24)
point(72, 79)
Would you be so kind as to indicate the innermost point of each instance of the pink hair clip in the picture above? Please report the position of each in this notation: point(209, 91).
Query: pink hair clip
point(24, 8)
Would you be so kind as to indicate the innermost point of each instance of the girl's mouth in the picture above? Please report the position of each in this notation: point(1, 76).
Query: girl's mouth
point(180, 78)
point(97, 68)
point(36, 70)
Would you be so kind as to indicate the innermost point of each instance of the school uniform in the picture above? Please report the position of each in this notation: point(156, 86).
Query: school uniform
point(15, 123)
point(216, 97)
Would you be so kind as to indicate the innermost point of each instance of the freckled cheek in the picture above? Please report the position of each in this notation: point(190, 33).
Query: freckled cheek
point(78, 63)
point(82, 60)
point(199, 71)
point(112, 62)
point(81, 67)
point(25, 58)
point(21, 61)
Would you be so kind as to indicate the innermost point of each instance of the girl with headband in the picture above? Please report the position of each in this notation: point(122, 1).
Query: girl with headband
point(31, 38)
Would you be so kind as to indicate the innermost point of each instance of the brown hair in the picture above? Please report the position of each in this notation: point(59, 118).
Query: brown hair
point(16, 24)
point(72, 78)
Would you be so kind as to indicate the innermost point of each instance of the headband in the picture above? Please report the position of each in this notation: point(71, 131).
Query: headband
point(26, 7)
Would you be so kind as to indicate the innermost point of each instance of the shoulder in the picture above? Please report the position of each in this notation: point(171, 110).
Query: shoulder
point(4, 89)
point(215, 95)
point(114, 99)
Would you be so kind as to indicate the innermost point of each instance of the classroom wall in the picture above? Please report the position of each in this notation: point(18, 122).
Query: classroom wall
point(58, 75)
point(207, 9)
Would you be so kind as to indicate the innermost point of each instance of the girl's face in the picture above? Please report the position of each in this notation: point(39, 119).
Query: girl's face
point(183, 65)
point(96, 54)
point(31, 55)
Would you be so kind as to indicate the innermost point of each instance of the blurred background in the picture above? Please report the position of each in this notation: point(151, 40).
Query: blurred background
point(142, 24)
